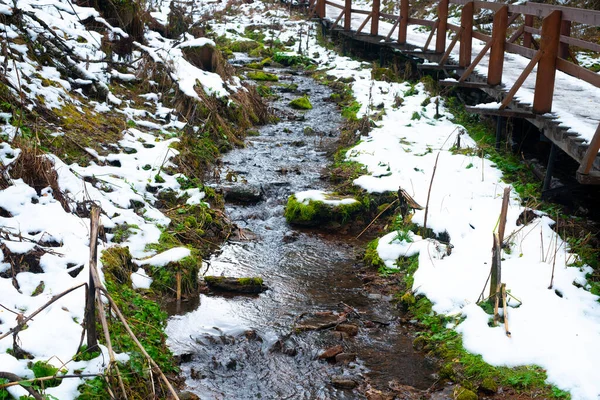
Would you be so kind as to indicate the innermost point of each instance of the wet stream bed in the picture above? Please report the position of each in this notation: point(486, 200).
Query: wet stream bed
point(260, 347)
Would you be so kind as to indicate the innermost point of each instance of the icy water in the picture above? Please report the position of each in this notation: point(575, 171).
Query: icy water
point(245, 347)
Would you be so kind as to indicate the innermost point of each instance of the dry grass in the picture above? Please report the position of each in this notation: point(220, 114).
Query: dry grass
point(37, 170)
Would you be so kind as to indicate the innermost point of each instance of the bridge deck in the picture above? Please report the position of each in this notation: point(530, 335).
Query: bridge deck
point(575, 117)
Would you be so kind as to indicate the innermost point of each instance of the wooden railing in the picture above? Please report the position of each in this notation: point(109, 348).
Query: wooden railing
point(550, 54)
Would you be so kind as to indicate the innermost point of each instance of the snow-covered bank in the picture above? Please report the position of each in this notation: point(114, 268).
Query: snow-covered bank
point(44, 233)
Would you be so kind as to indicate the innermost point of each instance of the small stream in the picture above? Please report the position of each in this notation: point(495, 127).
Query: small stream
point(245, 347)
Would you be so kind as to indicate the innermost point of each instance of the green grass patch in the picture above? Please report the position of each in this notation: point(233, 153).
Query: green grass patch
point(290, 60)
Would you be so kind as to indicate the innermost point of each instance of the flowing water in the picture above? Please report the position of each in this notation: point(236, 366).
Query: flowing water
point(245, 347)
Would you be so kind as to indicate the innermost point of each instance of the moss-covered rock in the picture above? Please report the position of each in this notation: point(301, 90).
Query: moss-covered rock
point(488, 386)
point(262, 76)
point(317, 212)
point(465, 394)
point(244, 46)
point(301, 103)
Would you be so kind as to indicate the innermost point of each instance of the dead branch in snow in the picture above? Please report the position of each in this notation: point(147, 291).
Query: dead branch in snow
point(16, 380)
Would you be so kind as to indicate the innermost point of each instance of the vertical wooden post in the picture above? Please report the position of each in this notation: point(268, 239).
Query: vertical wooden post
point(563, 48)
point(440, 40)
point(90, 305)
point(375, 18)
point(466, 37)
point(347, 15)
point(321, 8)
point(544, 82)
point(497, 52)
point(403, 27)
point(527, 37)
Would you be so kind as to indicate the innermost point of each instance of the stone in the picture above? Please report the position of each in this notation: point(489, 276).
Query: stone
point(488, 386)
point(350, 329)
point(465, 394)
point(331, 352)
point(343, 382)
point(241, 193)
point(185, 395)
point(345, 358)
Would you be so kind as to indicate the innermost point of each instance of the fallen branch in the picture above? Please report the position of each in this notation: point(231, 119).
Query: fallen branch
point(375, 219)
point(16, 379)
point(429, 193)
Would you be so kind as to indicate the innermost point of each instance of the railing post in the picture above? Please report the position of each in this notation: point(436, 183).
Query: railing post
point(403, 26)
point(466, 37)
point(563, 48)
point(347, 15)
point(527, 37)
point(544, 82)
point(497, 51)
point(440, 40)
point(375, 18)
point(321, 8)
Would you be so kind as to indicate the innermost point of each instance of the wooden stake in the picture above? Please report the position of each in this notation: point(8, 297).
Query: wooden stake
point(90, 304)
point(178, 290)
point(403, 29)
point(504, 306)
point(429, 193)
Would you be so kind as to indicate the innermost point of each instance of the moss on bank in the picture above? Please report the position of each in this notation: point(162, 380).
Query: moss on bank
point(317, 213)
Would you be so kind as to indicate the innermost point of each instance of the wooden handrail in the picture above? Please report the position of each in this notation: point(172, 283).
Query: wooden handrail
point(568, 40)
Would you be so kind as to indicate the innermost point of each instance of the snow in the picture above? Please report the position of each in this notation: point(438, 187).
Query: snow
point(323, 197)
point(170, 256)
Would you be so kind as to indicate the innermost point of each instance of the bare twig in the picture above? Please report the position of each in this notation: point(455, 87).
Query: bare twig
point(429, 193)
point(375, 219)
point(17, 381)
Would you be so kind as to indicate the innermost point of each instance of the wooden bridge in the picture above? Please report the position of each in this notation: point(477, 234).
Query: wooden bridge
point(559, 97)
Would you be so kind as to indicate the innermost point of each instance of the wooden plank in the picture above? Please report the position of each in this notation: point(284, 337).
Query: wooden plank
point(519, 82)
point(482, 36)
point(471, 68)
point(569, 40)
point(449, 49)
point(440, 40)
point(439, 67)
point(541, 10)
point(375, 18)
point(466, 37)
point(496, 63)
point(523, 51)
point(590, 154)
point(431, 35)
point(364, 12)
point(508, 113)
point(402, 31)
point(593, 178)
point(469, 85)
point(422, 22)
point(578, 72)
point(452, 27)
point(544, 83)
point(348, 15)
point(389, 16)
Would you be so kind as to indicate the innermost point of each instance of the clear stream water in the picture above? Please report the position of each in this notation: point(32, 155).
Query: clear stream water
point(245, 347)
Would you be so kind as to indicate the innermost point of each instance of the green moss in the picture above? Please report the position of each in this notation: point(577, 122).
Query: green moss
point(317, 213)
point(488, 385)
point(250, 281)
point(244, 46)
point(465, 394)
point(117, 265)
point(301, 103)
point(371, 256)
point(262, 76)
point(291, 59)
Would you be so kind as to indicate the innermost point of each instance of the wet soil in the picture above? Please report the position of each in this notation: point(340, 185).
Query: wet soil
point(251, 347)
